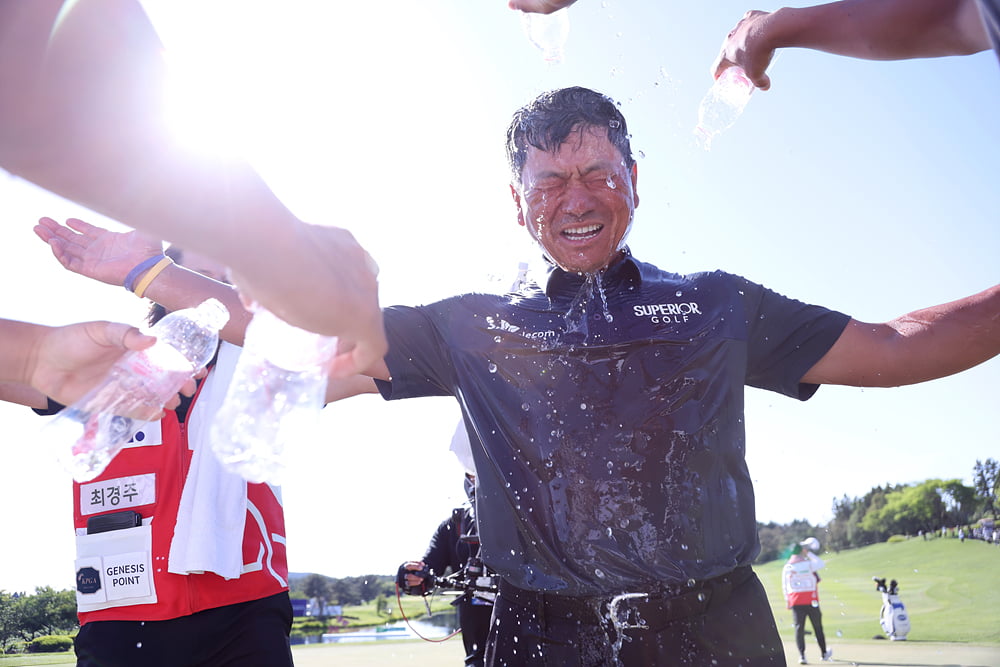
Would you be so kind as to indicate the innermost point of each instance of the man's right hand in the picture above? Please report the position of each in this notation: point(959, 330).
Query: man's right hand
point(320, 279)
point(746, 47)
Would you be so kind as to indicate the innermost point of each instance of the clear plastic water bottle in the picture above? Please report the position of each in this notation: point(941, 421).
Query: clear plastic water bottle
point(548, 32)
point(722, 105)
point(90, 432)
point(275, 397)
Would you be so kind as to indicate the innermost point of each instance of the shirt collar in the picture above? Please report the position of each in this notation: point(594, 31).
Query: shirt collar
point(623, 270)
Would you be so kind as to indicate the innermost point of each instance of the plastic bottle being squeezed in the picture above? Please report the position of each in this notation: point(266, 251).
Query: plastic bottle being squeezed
point(548, 32)
point(275, 397)
point(90, 432)
point(722, 105)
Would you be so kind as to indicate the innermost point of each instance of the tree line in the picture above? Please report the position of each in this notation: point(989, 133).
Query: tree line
point(25, 617)
point(344, 591)
point(901, 509)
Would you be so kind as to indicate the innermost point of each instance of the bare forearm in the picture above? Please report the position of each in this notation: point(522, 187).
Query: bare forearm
point(176, 288)
point(18, 350)
point(22, 394)
point(882, 29)
point(82, 116)
point(923, 345)
point(944, 340)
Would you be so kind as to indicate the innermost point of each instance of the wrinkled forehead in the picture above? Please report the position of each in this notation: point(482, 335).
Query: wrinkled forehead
point(586, 147)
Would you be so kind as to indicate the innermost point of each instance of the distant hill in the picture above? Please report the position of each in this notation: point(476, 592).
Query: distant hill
point(951, 590)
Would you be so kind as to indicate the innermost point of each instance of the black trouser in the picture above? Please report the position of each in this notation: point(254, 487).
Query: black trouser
point(722, 622)
point(474, 619)
point(800, 612)
point(249, 634)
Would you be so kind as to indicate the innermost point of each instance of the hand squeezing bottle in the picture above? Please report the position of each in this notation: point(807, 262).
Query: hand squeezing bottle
point(275, 397)
point(90, 432)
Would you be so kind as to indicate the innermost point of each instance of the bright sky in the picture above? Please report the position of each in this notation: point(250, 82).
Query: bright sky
point(866, 187)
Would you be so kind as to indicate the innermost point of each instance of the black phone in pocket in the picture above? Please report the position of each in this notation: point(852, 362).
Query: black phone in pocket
point(102, 523)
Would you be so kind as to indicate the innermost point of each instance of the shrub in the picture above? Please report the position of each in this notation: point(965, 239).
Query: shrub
point(311, 627)
point(50, 644)
point(897, 538)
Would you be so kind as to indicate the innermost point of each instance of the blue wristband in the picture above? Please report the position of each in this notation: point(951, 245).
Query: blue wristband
point(140, 269)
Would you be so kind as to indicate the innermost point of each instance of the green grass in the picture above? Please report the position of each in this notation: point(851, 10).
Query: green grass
point(65, 658)
point(951, 590)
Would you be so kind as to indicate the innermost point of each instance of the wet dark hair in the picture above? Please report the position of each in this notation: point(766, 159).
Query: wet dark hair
point(550, 118)
point(156, 311)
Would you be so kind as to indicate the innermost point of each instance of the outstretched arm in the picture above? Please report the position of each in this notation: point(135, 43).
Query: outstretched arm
point(81, 115)
point(66, 362)
point(108, 257)
point(923, 345)
point(868, 29)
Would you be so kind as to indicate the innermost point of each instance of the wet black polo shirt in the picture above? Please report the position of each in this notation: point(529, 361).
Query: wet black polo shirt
point(606, 416)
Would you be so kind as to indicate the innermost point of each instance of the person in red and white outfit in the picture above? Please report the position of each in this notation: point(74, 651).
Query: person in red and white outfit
point(800, 584)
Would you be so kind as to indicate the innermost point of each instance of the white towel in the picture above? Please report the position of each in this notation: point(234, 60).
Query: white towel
point(208, 536)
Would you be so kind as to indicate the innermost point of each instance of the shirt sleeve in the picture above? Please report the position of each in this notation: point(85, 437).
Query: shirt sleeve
point(418, 360)
point(786, 339)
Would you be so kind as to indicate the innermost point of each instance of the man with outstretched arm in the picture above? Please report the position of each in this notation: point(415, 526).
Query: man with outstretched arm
point(605, 406)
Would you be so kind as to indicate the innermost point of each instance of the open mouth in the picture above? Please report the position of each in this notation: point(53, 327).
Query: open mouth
point(584, 233)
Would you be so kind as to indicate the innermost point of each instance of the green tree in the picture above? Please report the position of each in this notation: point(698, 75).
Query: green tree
point(905, 511)
point(986, 480)
point(8, 619)
point(46, 612)
point(836, 530)
point(959, 502)
point(317, 586)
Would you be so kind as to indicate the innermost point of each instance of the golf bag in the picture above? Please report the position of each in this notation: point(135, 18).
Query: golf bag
point(894, 619)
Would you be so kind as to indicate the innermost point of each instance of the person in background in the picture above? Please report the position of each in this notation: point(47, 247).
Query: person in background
point(800, 584)
point(455, 546)
point(199, 574)
point(868, 29)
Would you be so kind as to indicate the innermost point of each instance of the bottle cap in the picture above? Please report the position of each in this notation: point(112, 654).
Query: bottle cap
point(212, 313)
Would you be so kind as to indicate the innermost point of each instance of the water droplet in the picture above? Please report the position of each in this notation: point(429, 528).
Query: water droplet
point(691, 582)
point(599, 572)
point(492, 367)
point(497, 339)
point(701, 597)
point(138, 644)
point(614, 124)
point(611, 182)
point(678, 294)
point(583, 406)
point(525, 407)
point(684, 547)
